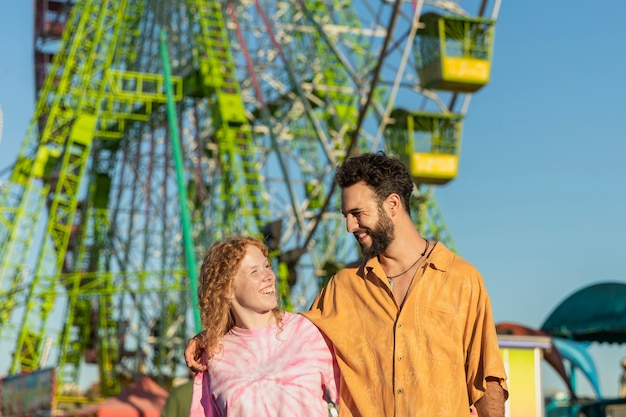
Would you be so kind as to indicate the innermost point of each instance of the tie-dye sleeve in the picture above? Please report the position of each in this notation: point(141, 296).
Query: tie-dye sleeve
point(331, 377)
point(202, 400)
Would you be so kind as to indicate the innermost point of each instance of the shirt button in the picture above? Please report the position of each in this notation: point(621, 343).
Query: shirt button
point(399, 325)
point(400, 391)
point(400, 358)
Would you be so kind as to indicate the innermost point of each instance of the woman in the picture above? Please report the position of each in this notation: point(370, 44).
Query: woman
point(261, 361)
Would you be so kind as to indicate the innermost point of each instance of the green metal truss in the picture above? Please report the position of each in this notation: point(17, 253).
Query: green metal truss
point(242, 189)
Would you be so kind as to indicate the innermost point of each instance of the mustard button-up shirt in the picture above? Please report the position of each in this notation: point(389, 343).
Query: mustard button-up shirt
point(428, 357)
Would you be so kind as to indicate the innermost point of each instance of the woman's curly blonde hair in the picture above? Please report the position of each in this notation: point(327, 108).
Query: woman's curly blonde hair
point(215, 288)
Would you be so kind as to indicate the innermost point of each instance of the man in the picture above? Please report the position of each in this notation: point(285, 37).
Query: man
point(411, 325)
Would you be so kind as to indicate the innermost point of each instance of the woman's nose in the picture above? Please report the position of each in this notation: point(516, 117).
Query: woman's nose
point(269, 275)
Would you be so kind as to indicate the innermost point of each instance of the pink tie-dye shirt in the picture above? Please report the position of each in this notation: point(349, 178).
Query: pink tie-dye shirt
point(272, 371)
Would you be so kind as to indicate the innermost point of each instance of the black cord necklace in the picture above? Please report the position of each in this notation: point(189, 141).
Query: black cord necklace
point(411, 267)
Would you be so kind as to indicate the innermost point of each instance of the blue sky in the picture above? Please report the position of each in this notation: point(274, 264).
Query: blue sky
point(539, 202)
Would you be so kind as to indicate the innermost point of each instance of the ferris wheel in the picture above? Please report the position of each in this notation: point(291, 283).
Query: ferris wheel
point(264, 99)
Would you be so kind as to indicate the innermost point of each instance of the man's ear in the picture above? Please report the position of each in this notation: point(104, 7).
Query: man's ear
point(394, 203)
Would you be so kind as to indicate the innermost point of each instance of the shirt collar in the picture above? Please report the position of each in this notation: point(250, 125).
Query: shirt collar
point(438, 258)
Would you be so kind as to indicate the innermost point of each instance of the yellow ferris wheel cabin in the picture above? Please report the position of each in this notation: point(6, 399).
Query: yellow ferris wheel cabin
point(427, 143)
point(453, 53)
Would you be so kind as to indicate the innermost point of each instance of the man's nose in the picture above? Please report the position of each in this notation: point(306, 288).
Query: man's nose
point(351, 223)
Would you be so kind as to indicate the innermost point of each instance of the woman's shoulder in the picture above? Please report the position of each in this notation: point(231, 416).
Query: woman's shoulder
point(288, 317)
point(298, 322)
point(294, 319)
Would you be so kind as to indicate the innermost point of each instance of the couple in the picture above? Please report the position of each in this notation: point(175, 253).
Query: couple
point(410, 327)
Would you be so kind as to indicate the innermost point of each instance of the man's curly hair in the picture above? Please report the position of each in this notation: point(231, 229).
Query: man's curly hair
point(382, 173)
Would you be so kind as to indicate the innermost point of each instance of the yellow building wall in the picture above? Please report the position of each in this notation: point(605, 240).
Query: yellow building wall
point(522, 360)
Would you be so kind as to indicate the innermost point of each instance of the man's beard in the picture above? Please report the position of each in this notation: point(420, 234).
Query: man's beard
point(381, 236)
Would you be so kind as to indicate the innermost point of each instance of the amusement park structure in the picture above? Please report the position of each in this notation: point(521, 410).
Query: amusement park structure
point(102, 220)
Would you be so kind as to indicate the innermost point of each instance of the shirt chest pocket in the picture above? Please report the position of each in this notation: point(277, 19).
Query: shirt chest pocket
point(440, 332)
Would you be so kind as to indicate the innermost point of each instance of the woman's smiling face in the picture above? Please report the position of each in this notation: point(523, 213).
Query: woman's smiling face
point(254, 290)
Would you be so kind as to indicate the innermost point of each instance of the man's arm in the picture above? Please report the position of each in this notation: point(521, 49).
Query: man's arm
point(492, 403)
point(193, 352)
